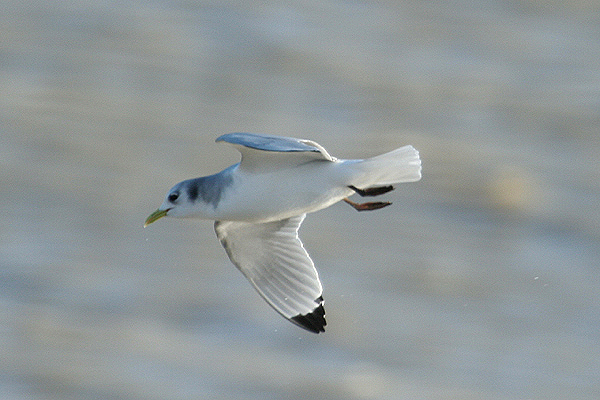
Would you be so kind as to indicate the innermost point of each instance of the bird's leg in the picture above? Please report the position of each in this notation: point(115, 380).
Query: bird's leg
point(372, 191)
point(376, 205)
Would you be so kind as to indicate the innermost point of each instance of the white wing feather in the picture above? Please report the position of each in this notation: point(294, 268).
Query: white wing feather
point(275, 262)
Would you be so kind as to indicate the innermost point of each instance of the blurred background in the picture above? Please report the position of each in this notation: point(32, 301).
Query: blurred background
point(482, 280)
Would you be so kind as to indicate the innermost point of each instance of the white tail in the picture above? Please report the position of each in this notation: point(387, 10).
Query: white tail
point(397, 166)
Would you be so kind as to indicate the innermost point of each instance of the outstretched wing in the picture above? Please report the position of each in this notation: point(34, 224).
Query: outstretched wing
point(275, 262)
point(266, 152)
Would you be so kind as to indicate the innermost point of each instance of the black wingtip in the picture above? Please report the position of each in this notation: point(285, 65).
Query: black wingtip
point(314, 321)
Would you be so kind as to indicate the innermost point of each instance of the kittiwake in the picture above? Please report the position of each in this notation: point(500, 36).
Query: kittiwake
point(259, 203)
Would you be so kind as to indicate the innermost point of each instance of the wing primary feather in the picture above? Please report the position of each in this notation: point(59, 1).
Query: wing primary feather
point(314, 321)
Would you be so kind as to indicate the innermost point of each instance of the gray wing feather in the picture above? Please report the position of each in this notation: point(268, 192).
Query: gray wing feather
point(266, 152)
point(267, 142)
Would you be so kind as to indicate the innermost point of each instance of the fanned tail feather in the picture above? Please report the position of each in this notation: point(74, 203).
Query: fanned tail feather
point(397, 166)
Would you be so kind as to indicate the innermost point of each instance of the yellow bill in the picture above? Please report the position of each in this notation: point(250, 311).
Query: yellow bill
point(158, 214)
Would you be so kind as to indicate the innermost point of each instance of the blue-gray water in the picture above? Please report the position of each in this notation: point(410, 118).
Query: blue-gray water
point(482, 281)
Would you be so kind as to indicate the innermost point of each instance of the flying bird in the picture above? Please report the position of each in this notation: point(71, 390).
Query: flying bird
point(259, 203)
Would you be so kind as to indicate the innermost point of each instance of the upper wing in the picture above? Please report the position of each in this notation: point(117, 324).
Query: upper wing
point(274, 260)
point(261, 152)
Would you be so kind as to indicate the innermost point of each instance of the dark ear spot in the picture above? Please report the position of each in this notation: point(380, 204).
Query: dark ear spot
point(193, 192)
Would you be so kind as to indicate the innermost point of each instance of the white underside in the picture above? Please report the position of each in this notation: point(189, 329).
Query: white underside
point(261, 196)
point(282, 194)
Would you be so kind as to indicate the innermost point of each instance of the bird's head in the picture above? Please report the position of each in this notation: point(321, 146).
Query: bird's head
point(179, 202)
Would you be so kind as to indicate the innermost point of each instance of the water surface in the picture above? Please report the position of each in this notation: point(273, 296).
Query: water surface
point(480, 282)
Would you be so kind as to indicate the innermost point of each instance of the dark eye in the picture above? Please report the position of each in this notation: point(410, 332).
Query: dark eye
point(173, 197)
